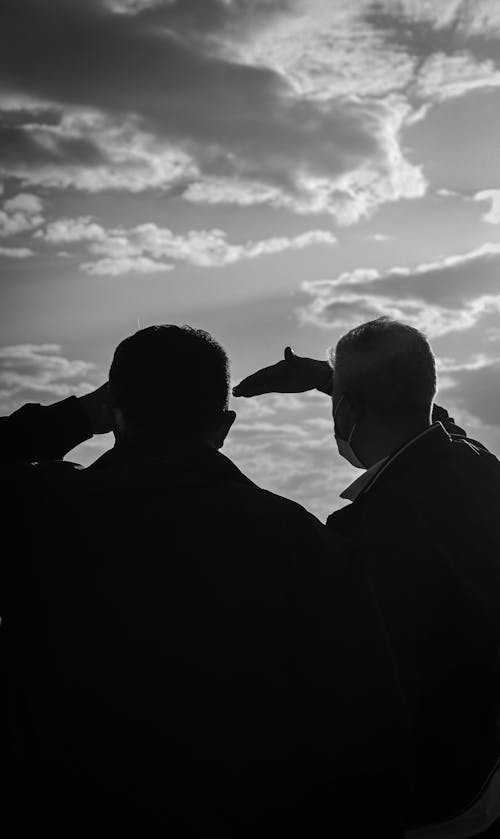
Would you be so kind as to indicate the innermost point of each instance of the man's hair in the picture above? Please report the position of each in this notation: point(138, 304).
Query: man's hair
point(172, 378)
point(390, 364)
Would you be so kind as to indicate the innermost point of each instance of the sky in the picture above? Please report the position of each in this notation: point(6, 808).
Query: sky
point(273, 171)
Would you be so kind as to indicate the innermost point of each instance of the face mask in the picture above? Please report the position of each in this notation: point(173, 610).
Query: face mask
point(344, 446)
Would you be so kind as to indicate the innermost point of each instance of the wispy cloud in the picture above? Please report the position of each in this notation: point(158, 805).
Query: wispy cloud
point(493, 196)
point(115, 266)
point(474, 387)
point(446, 76)
point(145, 247)
point(15, 253)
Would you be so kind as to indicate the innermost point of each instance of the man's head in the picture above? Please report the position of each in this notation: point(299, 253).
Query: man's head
point(173, 381)
point(384, 382)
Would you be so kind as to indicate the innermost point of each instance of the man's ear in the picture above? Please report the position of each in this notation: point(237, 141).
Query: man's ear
point(228, 417)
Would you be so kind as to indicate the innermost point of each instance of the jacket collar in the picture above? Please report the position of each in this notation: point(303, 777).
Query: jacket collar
point(424, 446)
point(358, 485)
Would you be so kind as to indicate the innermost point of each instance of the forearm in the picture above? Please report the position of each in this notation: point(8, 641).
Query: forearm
point(37, 432)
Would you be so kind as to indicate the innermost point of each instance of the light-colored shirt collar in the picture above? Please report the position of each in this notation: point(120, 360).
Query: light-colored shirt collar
point(356, 488)
point(370, 476)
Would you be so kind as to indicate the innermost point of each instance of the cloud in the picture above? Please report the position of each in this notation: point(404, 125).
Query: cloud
point(300, 105)
point(328, 49)
point(21, 213)
point(492, 195)
point(117, 266)
point(40, 373)
point(348, 191)
point(474, 388)
point(285, 444)
point(170, 99)
point(437, 297)
point(29, 205)
point(145, 247)
point(447, 76)
point(422, 50)
point(70, 230)
point(15, 253)
point(449, 27)
point(452, 46)
point(85, 149)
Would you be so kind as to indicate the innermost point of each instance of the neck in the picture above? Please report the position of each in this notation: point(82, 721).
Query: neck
point(159, 445)
point(383, 440)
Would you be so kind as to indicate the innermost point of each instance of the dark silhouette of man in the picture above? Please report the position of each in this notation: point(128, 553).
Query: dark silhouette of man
point(187, 653)
point(424, 520)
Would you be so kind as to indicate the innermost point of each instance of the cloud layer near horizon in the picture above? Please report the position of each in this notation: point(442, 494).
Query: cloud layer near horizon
point(449, 295)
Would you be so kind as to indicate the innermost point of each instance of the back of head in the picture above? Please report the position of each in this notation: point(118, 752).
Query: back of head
point(390, 365)
point(168, 378)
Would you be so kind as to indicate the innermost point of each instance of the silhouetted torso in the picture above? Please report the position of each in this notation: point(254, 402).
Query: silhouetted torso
point(186, 654)
point(428, 528)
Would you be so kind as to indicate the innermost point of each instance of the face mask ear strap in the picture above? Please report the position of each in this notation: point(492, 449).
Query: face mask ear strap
point(335, 413)
point(337, 406)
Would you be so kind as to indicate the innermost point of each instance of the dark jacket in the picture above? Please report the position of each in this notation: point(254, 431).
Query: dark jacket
point(187, 652)
point(428, 527)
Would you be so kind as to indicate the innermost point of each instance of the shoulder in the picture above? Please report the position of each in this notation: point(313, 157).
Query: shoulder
point(473, 448)
point(268, 518)
point(466, 465)
point(310, 542)
point(279, 506)
point(38, 476)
